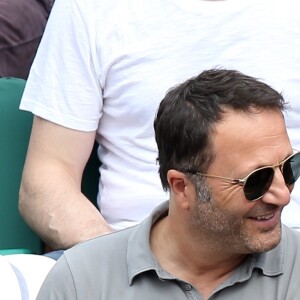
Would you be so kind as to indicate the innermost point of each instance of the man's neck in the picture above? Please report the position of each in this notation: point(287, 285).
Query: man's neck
point(198, 263)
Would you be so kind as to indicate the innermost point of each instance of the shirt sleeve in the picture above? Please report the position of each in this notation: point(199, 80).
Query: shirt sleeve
point(64, 81)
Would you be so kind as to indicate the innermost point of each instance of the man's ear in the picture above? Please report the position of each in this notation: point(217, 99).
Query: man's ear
point(179, 188)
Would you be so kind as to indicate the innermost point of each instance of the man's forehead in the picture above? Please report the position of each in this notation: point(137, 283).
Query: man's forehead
point(242, 132)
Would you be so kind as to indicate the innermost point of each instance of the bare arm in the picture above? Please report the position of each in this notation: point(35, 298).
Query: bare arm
point(51, 201)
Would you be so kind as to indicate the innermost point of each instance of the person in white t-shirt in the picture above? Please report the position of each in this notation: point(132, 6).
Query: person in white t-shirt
point(100, 72)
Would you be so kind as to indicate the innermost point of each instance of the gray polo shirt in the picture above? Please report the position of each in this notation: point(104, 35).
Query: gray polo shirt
point(121, 266)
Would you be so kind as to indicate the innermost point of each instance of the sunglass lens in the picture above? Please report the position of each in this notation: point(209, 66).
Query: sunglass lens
point(291, 169)
point(258, 183)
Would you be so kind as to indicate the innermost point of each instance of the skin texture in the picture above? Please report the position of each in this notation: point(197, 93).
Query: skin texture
point(204, 241)
point(50, 193)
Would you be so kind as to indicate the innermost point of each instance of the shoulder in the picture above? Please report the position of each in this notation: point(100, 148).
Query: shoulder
point(90, 266)
point(108, 251)
point(291, 235)
point(291, 253)
point(290, 280)
point(291, 238)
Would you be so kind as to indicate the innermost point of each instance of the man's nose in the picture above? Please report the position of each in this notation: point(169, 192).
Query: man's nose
point(279, 193)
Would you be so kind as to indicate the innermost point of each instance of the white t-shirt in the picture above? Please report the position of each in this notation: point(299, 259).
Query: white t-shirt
point(106, 65)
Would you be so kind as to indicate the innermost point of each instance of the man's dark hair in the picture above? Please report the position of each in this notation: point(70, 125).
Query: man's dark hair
point(188, 113)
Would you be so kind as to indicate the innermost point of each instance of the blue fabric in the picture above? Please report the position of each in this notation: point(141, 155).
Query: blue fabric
point(22, 283)
point(54, 254)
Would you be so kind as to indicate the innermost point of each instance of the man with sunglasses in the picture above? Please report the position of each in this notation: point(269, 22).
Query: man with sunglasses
point(226, 158)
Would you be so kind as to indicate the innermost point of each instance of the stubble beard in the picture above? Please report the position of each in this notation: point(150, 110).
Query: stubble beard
point(226, 231)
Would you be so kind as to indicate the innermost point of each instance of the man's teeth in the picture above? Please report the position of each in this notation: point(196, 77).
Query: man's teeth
point(267, 217)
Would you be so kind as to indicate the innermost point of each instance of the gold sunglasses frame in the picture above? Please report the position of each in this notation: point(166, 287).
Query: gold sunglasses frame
point(243, 181)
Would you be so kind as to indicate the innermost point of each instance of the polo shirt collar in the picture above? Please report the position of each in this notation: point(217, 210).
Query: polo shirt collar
point(270, 263)
point(140, 258)
point(139, 255)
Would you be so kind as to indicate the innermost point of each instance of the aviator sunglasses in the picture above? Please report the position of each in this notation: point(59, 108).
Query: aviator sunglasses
point(257, 183)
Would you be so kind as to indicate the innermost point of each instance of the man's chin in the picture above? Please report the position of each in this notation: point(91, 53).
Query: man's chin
point(266, 240)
